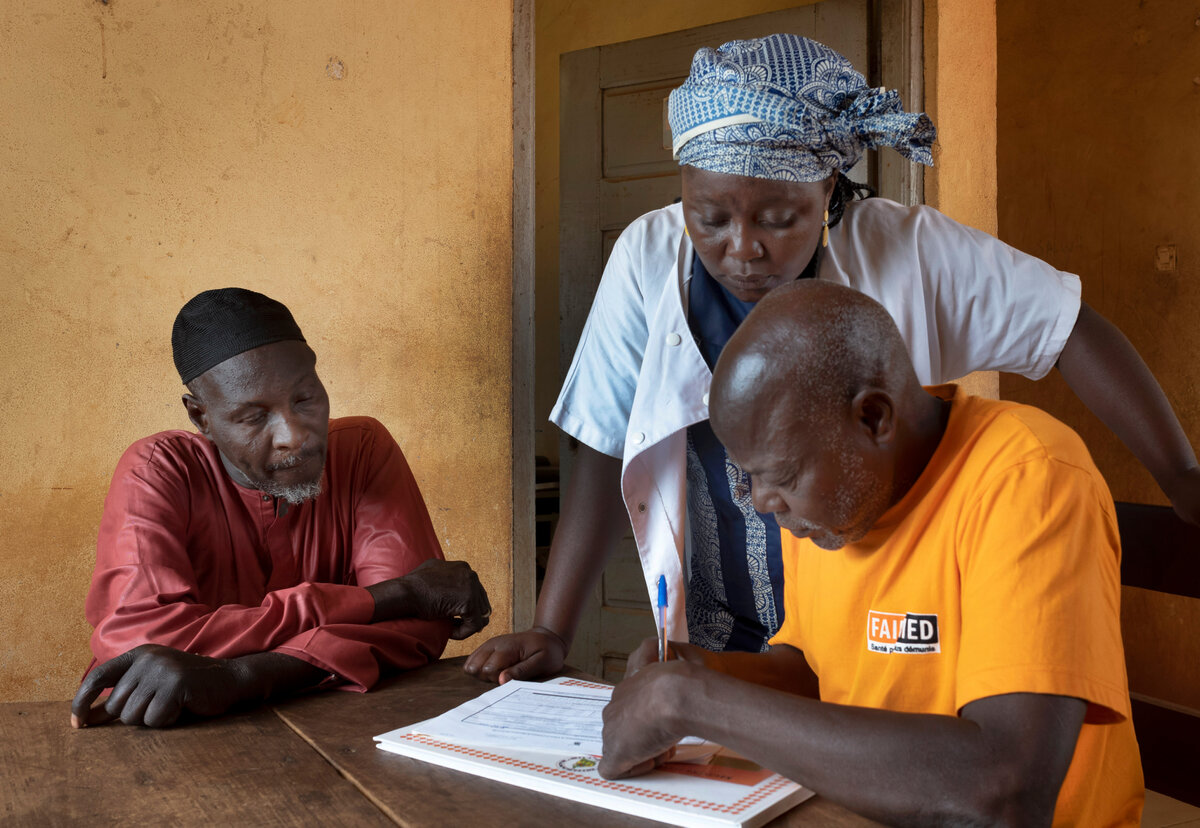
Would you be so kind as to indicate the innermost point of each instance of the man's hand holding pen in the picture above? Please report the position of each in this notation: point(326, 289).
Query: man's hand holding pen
point(644, 717)
point(647, 654)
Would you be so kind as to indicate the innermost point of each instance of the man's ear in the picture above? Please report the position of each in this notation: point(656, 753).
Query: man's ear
point(197, 413)
point(875, 412)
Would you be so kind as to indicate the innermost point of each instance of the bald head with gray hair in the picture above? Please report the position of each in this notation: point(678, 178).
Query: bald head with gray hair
point(814, 344)
point(818, 379)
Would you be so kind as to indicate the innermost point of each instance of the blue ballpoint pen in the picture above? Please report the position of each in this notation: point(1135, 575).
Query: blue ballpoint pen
point(662, 620)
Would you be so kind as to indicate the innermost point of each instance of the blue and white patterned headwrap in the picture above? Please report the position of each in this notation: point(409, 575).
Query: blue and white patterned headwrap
point(787, 108)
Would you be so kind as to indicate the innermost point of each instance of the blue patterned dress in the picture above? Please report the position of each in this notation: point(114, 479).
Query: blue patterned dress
point(735, 568)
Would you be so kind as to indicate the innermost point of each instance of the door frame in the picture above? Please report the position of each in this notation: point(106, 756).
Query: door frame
point(524, 225)
point(898, 62)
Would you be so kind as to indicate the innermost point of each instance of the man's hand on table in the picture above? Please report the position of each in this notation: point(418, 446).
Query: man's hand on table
point(435, 590)
point(522, 656)
point(153, 685)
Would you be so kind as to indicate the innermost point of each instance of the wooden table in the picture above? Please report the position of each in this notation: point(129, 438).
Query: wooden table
point(310, 760)
point(242, 769)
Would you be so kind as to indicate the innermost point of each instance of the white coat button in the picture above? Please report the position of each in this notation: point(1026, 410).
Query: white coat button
point(641, 507)
point(674, 339)
point(638, 438)
point(705, 399)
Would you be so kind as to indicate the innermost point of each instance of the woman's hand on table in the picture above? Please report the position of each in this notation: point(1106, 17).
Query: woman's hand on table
point(524, 655)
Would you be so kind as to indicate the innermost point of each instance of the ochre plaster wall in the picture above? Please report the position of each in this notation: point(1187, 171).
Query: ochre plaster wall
point(353, 159)
point(565, 26)
point(1099, 113)
point(960, 97)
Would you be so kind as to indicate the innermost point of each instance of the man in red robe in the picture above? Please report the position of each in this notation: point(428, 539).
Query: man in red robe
point(275, 550)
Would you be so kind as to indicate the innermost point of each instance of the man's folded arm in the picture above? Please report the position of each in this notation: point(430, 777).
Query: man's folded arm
point(154, 684)
point(139, 604)
point(406, 620)
point(397, 556)
point(358, 655)
point(420, 600)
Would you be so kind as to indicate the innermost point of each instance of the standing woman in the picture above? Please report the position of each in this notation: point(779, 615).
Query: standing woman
point(763, 130)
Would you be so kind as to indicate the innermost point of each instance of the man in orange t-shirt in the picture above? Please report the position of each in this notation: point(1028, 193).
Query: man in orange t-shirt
point(951, 582)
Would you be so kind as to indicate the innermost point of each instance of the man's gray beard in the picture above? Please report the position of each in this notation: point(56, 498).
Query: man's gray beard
point(294, 495)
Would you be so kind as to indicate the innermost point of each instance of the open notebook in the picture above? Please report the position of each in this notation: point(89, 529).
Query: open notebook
point(546, 736)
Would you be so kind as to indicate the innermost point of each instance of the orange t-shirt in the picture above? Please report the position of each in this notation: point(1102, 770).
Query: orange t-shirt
point(998, 572)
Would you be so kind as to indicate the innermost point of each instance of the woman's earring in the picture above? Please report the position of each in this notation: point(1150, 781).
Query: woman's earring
point(825, 230)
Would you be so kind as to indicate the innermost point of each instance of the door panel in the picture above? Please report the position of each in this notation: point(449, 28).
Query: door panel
point(623, 201)
point(633, 131)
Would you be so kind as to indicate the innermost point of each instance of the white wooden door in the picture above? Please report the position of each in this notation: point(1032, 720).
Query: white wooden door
point(615, 165)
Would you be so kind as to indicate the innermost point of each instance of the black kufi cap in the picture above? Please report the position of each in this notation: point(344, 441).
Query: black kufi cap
point(218, 324)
